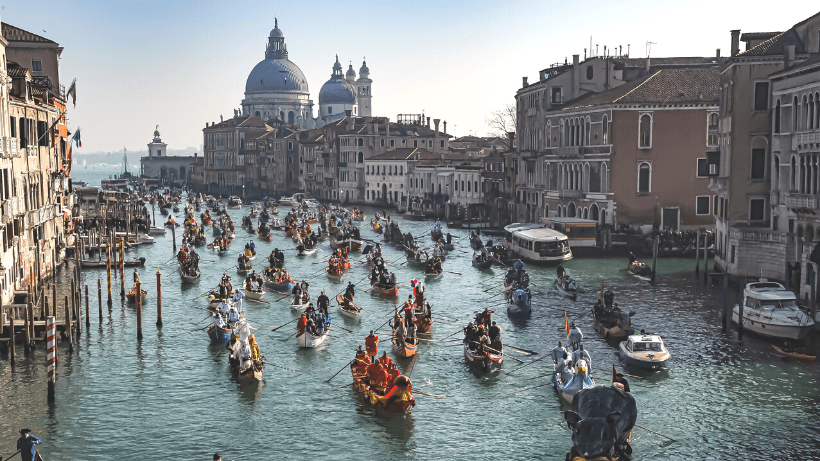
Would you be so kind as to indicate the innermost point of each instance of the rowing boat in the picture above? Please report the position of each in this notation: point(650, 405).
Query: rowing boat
point(568, 292)
point(389, 290)
point(309, 340)
point(336, 277)
point(352, 311)
point(304, 303)
point(399, 399)
point(405, 348)
point(485, 362)
point(190, 277)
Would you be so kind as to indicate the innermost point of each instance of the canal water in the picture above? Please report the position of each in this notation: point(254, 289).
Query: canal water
point(172, 395)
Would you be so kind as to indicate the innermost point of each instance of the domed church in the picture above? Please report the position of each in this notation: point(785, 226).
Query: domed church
point(277, 88)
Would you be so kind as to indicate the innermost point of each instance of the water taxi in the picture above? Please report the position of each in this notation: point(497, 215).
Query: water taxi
point(644, 351)
point(538, 244)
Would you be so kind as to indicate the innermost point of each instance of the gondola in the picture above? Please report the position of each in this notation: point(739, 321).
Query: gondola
point(189, 277)
point(569, 293)
point(245, 369)
point(433, 275)
point(475, 241)
point(132, 294)
point(353, 311)
point(398, 399)
point(388, 290)
point(519, 303)
point(486, 362)
point(436, 234)
point(219, 335)
point(302, 251)
point(482, 262)
point(404, 348)
point(309, 340)
point(640, 270)
point(335, 277)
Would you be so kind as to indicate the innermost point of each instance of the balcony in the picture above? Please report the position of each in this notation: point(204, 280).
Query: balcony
point(572, 151)
point(571, 193)
point(803, 202)
point(774, 197)
point(719, 183)
point(806, 141)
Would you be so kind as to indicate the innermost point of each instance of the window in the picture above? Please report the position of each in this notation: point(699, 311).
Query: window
point(382, 142)
point(645, 131)
point(13, 125)
point(360, 142)
point(777, 117)
point(36, 65)
point(703, 168)
point(606, 130)
point(794, 113)
point(761, 96)
point(329, 109)
point(644, 178)
point(442, 143)
point(555, 95)
point(756, 210)
point(392, 142)
point(415, 143)
point(732, 257)
point(758, 163)
point(590, 72)
point(702, 205)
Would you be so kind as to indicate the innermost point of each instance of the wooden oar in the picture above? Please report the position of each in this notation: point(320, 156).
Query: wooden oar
point(283, 340)
point(657, 433)
point(542, 376)
point(631, 376)
point(457, 332)
point(451, 272)
point(528, 388)
point(346, 365)
point(340, 387)
point(498, 352)
point(522, 350)
point(279, 366)
point(528, 364)
point(431, 395)
point(280, 326)
point(343, 328)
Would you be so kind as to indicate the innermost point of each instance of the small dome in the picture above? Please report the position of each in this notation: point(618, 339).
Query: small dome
point(337, 91)
point(350, 72)
point(364, 69)
point(276, 32)
point(337, 65)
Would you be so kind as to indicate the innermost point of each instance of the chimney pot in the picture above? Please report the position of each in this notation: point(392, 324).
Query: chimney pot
point(735, 42)
point(524, 84)
point(445, 127)
point(717, 53)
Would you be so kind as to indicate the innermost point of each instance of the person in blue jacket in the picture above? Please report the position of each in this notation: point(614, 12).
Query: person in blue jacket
point(26, 443)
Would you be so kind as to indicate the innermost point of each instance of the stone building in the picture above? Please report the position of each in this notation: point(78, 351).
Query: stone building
point(35, 165)
point(224, 153)
point(167, 169)
point(758, 212)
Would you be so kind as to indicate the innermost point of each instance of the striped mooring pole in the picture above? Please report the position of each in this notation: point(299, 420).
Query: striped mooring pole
point(51, 355)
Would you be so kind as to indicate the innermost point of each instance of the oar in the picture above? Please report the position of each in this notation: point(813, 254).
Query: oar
point(346, 365)
point(631, 376)
point(345, 329)
point(9, 457)
point(528, 364)
point(206, 318)
point(542, 376)
point(451, 272)
point(457, 332)
point(498, 352)
point(279, 366)
point(431, 395)
point(528, 388)
point(657, 433)
point(337, 388)
point(522, 350)
point(280, 326)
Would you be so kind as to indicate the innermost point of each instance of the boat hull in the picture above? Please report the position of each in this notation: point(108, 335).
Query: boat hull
point(641, 362)
point(219, 335)
point(487, 363)
point(309, 341)
point(772, 330)
point(405, 349)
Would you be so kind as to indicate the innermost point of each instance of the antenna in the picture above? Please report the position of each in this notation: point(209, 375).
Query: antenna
point(649, 47)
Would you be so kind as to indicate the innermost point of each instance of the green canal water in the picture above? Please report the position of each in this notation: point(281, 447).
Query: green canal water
point(171, 396)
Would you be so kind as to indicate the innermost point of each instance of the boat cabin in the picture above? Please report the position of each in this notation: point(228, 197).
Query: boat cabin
point(580, 232)
point(537, 244)
point(644, 343)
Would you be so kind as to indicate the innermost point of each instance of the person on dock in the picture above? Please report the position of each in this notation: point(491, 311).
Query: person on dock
point(25, 445)
point(557, 353)
point(575, 336)
point(371, 343)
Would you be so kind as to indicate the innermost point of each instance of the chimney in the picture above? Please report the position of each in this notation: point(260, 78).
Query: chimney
point(428, 122)
point(735, 42)
point(445, 127)
point(525, 84)
point(717, 53)
point(647, 63)
point(436, 121)
point(788, 56)
point(576, 76)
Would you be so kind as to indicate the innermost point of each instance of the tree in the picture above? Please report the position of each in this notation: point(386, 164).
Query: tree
point(501, 122)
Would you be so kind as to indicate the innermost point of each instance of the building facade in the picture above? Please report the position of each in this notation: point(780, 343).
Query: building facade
point(167, 169)
point(224, 171)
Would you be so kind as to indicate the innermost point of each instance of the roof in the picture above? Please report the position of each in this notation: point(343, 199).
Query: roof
point(404, 153)
point(758, 36)
point(16, 34)
point(15, 70)
point(570, 220)
point(674, 61)
point(768, 291)
point(808, 65)
point(777, 45)
point(665, 86)
point(245, 121)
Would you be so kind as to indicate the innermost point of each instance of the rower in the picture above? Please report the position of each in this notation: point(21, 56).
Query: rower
point(385, 360)
point(233, 317)
point(350, 291)
point(361, 362)
point(470, 335)
point(494, 332)
point(561, 271)
point(322, 302)
point(482, 341)
point(581, 354)
point(219, 321)
point(575, 336)
point(399, 331)
point(557, 353)
point(301, 324)
point(237, 298)
point(297, 294)
point(572, 285)
point(371, 343)
point(561, 368)
point(632, 258)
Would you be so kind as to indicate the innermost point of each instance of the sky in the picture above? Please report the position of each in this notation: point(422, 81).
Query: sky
point(182, 64)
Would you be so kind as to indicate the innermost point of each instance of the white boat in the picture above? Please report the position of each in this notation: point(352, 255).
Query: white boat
point(576, 382)
point(306, 252)
point(644, 351)
point(292, 200)
point(769, 309)
point(254, 295)
point(308, 340)
point(157, 230)
point(353, 312)
point(568, 292)
point(146, 239)
point(537, 244)
point(304, 303)
point(311, 202)
point(234, 202)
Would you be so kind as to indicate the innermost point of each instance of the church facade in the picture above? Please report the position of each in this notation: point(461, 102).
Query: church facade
point(277, 89)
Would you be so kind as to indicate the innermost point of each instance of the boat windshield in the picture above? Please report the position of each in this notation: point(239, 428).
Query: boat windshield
point(787, 304)
point(647, 347)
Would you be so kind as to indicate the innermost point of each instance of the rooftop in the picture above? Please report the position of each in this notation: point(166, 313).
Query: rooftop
point(16, 34)
point(405, 153)
point(777, 45)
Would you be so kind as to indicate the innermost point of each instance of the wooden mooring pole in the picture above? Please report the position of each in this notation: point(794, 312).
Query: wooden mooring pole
point(138, 294)
point(99, 297)
point(26, 325)
point(11, 339)
point(655, 243)
point(705, 258)
point(108, 268)
point(159, 298)
point(697, 253)
point(87, 316)
point(51, 355)
point(725, 320)
point(67, 333)
point(121, 242)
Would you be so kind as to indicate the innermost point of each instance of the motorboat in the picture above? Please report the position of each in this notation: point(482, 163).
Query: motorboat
point(157, 230)
point(644, 351)
point(145, 239)
point(311, 203)
point(769, 309)
point(234, 202)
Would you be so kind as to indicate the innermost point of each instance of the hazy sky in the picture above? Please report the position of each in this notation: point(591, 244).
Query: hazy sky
point(180, 64)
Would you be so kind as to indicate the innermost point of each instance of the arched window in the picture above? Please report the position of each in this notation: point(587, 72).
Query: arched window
point(805, 113)
point(360, 142)
point(586, 213)
point(644, 178)
point(776, 174)
point(588, 131)
point(593, 212)
point(455, 186)
point(561, 133)
point(604, 178)
point(795, 106)
point(468, 186)
point(810, 123)
point(571, 210)
point(793, 173)
point(256, 113)
point(777, 116)
point(281, 116)
point(817, 110)
point(603, 217)
point(645, 131)
point(291, 117)
point(475, 186)
point(382, 142)
point(605, 129)
point(590, 72)
point(547, 210)
point(361, 157)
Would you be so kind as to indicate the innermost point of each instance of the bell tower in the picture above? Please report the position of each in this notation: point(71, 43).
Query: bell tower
point(363, 88)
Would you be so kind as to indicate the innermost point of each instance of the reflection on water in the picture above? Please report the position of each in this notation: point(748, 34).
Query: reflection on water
point(121, 398)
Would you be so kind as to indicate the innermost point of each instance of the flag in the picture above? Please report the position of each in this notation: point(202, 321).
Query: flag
point(76, 138)
point(72, 91)
point(566, 323)
point(68, 156)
